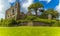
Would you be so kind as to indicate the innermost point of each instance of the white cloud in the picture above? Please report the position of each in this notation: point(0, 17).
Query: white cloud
point(45, 0)
point(1, 7)
point(4, 5)
point(58, 7)
point(2, 16)
point(26, 4)
point(12, 1)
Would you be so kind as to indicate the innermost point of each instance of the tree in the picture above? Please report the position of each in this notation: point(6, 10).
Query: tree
point(29, 12)
point(35, 6)
point(1, 19)
point(50, 13)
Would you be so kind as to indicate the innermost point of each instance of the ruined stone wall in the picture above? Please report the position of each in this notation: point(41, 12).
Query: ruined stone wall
point(13, 11)
point(10, 13)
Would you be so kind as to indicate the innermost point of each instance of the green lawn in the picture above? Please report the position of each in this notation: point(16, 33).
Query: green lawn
point(30, 31)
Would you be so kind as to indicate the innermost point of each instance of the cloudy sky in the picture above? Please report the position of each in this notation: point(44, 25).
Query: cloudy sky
point(5, 4)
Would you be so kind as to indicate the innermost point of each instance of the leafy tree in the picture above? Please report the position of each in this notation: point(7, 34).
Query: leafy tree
point(35, 6)
point(52, 12)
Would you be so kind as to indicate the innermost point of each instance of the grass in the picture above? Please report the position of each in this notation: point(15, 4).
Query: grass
point(29, 31)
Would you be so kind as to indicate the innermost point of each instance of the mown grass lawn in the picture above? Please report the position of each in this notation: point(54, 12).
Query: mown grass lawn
point(29, 31)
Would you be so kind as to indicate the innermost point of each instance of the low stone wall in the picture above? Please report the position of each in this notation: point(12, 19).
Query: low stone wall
point(34, 24)
point(41, 24)
point(23, 24)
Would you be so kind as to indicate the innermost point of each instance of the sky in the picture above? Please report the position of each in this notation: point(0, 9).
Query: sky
point(5, 4)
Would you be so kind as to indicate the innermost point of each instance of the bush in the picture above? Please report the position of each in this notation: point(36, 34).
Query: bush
point(30, 18)
point(8, 22)
point(45, 21)
point(13, 22)
point(57, 24)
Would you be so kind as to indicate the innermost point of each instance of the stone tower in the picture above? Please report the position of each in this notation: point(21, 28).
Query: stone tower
point(17, 9)
point(13, 11)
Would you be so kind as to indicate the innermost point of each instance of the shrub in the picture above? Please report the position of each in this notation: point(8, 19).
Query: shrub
point(30, 18)
point(45, 21)
point(57, 24)
point(8, 22)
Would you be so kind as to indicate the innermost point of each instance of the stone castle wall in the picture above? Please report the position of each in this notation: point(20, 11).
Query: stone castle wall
point(13, 11)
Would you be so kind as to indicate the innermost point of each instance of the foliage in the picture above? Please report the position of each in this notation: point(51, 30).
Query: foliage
point(31, 18)
point(35, 6)
point(44, 15)
point(45, 21)
point(54, 13)
point(57, 24)
point(37, 19)
point(8, 22)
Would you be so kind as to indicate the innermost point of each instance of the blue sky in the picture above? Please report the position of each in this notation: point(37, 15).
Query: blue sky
point(5, 4)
